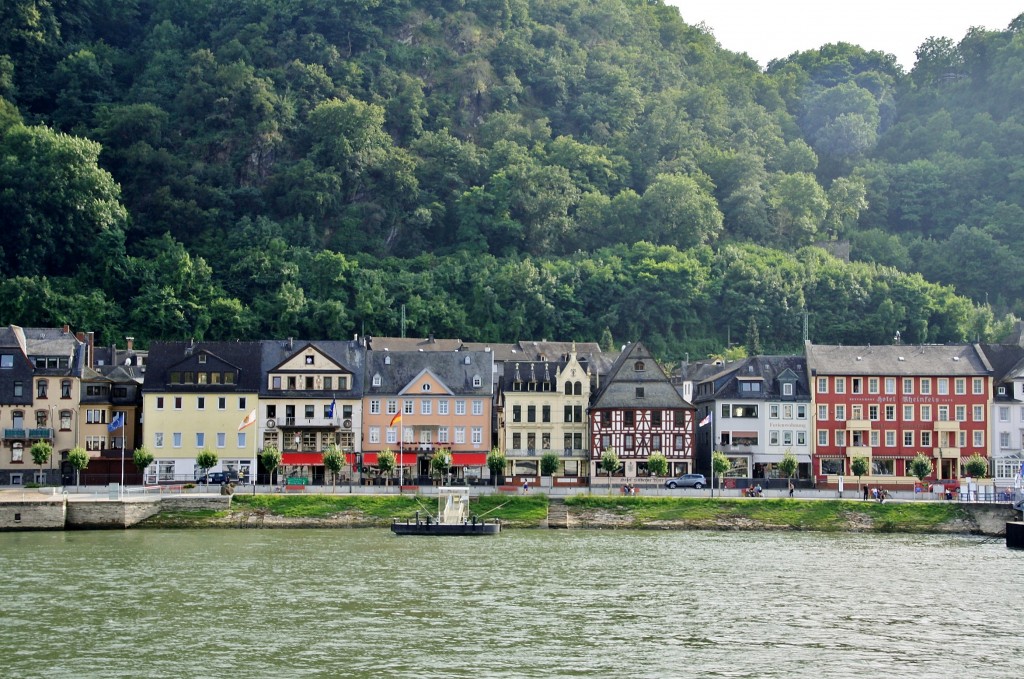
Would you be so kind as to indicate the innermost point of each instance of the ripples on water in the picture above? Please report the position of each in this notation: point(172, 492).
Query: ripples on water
point(276, 603)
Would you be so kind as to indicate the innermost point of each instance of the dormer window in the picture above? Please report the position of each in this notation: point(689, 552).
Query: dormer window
point(639, 366)
point(387, 360)
point(376, 380)
point(477, 381)
point(787, 389)
point(202, 358)
point(309, 359)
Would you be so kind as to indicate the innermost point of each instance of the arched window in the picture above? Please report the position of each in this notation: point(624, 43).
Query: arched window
point(65, 389)
point(577, 388)
point(639, 366)
point(568, 388)
point(41, 386)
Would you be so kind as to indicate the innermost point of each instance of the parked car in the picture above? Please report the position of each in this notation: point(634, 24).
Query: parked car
point(218, 478)
point(687, 481)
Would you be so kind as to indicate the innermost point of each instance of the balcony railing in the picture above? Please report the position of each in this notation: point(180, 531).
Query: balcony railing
point(310, 422)
point(14, 433)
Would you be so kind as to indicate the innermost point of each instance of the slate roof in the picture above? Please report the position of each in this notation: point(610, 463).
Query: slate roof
point(13, 338)
point(618, 388)
point(531, 371)
point(450, 367)
point(165, 356)
point(1007, 360)
point(55, 342)
point(350, 355)
point(899, 359)
point(430, 343)
point(765, 368)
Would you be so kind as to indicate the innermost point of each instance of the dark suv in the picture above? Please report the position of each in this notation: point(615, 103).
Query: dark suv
point(218, 478)
point(687, 481)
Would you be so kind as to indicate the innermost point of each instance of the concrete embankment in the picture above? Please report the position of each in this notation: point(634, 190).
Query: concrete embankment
point(36, 510)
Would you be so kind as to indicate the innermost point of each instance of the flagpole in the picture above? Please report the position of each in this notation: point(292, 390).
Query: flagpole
point(122, 456)
point(401, 443)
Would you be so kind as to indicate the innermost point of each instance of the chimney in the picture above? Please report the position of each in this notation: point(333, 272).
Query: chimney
point(66, 328)
point(131, 342)
point(291, 343)
point(90, 359)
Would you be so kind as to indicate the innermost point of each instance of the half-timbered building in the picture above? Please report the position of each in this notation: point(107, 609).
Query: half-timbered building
point(637, 411)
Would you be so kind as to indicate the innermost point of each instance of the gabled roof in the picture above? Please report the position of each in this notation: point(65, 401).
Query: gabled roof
point(55, 342)
point(900, 359)
point(526, 372)
point(348, 355)
point(455, 369)
point(635, 368)
point(165, 356)
point(14, 337)
point(1006, 360)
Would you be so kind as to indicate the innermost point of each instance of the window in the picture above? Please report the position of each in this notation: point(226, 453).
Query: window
point(960, 386)
point(375, 406)
point(872, 438)
point(883, 467)
point(787, 389)
point(200, 440)
point(477, 436)
point(639, 392)
point(477, 381)
point(773, 411)
point(908, 413)
point(392, 406)
point(801, 438)
point(426, 407)
point(460, 407)
point(908, 385)
point(961, 413)
point(773, 438)
point(310, 383)
point(65, 420)
point(1004, 414)
point(822, 385)
point(309, 359)
point(374, 434)
point(1004, 439)
point(977, 386)
point(517, 413)
point(531, 413)
point(979, 438)
point(962, 438)
point(978, 414)
point(857, 385)
point(943, 386)
point(241, 440)
point(639, 366)
point(873, 412)
point(41, 386)
point(787, 437)
point(442, 434)
point(872, 385)
point(629, 418)
point(241, 403)
point(656, 418)
point(329, 383)
point(478, 408)
point(19, 388)
point(17, 452)
point(890, 438)
point(908, 438)
point(926, 386)
point(460, 435)
point(222, 439)
point(176, 439)
point(890, 385)
point(787, 412)
point(158, 439)
point(442, 407)
point(65, 389)
point(822, 412)
point(926, 413)
point(840, 385)
point(200, 403)
point(376, 380)
point(926, 439)
point(545, 412)
point(890, 413)
point(840, 412)
point(822, 437)
point(6, 360)
point(275, 382)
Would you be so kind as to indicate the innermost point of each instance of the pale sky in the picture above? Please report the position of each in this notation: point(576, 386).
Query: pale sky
point(773, 29)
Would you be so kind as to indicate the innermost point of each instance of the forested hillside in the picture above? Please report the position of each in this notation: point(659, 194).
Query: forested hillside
point(503, 170)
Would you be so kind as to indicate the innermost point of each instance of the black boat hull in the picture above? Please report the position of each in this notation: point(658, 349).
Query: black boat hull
point(423, 528)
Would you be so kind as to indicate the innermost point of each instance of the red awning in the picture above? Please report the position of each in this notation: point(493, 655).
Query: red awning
point(302, 458)
point(469, 459)
point(370, 459)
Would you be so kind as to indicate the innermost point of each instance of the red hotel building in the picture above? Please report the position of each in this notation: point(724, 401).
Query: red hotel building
point(889, 403)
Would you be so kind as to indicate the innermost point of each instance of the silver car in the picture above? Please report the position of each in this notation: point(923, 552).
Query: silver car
point(687, 481)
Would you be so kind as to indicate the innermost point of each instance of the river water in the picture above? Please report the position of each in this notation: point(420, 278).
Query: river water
point(364, 603)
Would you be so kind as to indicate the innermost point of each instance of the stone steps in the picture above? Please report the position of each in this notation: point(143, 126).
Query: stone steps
point(558, 513)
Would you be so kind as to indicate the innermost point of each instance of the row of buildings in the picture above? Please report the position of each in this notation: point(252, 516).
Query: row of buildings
point(416, 396)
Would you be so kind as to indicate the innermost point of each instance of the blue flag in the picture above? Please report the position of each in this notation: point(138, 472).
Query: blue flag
point(330, 410)
point(116, 423)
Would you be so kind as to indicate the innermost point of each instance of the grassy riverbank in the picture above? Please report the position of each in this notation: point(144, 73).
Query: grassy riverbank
point(767, 514)
point(346, 511)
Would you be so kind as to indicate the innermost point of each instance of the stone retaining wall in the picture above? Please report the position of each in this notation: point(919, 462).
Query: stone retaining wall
point(42, 514)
